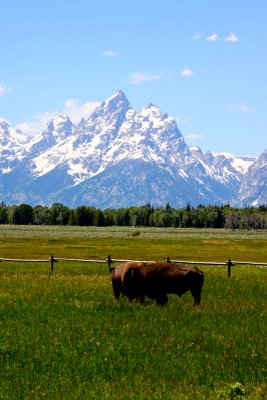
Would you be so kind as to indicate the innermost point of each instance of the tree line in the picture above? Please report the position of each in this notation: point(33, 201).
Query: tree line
point(201, 216)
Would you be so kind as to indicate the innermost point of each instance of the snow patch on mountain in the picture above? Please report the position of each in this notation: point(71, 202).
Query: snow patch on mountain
point(240, 164)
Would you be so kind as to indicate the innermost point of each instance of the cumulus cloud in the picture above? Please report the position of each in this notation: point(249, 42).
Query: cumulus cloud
point(213, 38)
point(110, 53)
point(72, 108)
point(77, 111)
point(232, 38)
point(186, 73)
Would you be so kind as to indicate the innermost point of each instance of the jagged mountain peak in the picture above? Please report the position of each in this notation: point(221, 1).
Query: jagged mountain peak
point(196, 149)
point(163, 127)
point(59, 123)
point(10, 136)
point(117, 102)
point(152, 111)
point(111, 112)
point(55, 131)
point(119, 95)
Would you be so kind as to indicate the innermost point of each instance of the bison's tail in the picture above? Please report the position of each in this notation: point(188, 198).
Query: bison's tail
point(201, 278)
point(131, 283)
point(130, 277)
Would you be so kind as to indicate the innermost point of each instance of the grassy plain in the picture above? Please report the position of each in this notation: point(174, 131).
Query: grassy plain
point(63, 336)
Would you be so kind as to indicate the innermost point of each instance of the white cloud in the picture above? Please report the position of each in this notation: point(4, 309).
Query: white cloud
point(72, 108)
point(110, 53)
point(213, 38)
point(239, 108)
point(186, 73)
point(137, 78)
point(37, 124)
point(232, 38)
point(197, 36)
point(77, 111)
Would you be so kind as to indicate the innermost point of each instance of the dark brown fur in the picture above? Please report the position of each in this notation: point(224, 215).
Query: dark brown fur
point(155, 280)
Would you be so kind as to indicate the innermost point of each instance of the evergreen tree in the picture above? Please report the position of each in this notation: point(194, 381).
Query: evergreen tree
point(3, 214)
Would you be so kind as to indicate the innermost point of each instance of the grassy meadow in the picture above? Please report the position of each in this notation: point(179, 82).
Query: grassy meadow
point(63, 335)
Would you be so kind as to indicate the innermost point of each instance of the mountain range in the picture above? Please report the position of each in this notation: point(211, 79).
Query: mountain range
point(119, 158)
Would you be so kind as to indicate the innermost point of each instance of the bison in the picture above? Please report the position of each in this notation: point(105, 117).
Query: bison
point(155, 280)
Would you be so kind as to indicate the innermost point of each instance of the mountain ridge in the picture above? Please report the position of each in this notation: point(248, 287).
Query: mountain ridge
point(119, 157)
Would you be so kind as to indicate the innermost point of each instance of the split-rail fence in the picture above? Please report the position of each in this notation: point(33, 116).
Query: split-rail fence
point(109, 261)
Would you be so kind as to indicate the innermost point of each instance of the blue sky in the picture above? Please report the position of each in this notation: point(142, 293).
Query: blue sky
point(203, 62)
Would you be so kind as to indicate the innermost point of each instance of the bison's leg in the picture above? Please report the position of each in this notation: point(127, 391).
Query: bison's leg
point(161, 298)
point(117, 289)
point(197, 296)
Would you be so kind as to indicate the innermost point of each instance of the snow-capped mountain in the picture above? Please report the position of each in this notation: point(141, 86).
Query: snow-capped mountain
point(117, 158)
point(12, 142)
point(225, 167)
point(58, 129)
point(253, 189)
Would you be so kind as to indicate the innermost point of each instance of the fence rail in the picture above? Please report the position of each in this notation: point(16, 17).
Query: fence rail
point(218, 263)
point(82, 260)
point(229, 263)
point(22, 260)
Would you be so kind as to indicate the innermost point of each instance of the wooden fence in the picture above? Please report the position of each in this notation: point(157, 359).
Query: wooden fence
point(109, 261)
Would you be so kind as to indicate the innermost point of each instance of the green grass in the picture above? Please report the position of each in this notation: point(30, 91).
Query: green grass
point(63, 335)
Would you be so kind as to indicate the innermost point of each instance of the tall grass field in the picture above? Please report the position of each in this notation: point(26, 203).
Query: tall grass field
point(64, 336)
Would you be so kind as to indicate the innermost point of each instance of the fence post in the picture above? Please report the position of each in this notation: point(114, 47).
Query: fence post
point(52, 260)
point(229, 264)
point(109, 262)
point(168, 260)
